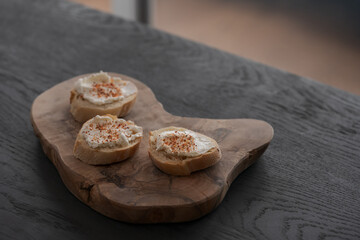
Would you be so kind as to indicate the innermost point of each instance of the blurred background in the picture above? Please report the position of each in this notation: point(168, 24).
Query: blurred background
point(316, 39)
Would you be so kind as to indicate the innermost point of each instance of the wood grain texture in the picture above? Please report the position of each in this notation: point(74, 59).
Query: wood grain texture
point(135, 190)
point(305, 186)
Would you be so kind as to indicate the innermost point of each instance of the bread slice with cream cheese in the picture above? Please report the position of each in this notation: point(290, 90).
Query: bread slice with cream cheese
point(106, 139)
point(180, 156)
point(100, 94)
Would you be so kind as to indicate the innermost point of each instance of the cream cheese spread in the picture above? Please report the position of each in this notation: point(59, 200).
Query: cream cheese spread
point(183, 143)
point(103, 131)
point(101, 88)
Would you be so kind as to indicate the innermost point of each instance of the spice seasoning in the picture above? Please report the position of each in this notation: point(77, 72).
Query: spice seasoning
point(103, 131)
point(180, 142)
point(183, 143)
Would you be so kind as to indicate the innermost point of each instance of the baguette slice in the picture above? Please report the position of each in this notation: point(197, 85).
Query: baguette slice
point(83, 110)
point(180, 165)
point(103, 155)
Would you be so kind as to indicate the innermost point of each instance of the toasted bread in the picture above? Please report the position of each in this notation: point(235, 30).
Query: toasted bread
point(181, 165)
point(83, 110)
point(100, 94)
point(103, 155)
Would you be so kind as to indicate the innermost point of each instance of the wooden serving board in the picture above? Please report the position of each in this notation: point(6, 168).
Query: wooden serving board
point(135, 190)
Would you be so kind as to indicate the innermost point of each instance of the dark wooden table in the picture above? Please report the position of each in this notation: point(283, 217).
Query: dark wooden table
point(305, 186)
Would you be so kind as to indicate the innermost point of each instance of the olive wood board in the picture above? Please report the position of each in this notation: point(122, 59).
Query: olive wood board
point(134, 190)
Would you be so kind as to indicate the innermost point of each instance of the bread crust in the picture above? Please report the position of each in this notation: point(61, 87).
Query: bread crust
point(180, 166)
point(101, 155)
point(83, 110)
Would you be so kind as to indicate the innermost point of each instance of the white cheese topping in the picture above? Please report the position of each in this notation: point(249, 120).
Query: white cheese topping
point(100, 88)
point(183, 143)
point(103, 131)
